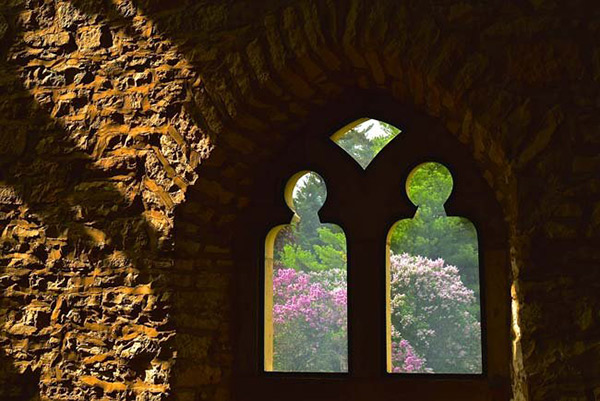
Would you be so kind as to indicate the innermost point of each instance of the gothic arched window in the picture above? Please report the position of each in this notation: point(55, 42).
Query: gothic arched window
point(427, 293)
point(432, 286)
point(305, 317)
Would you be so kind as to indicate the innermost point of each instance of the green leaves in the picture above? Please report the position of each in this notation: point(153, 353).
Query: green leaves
point(430, 233)
point(328, 251)
point(429, 185)
point(365, 141)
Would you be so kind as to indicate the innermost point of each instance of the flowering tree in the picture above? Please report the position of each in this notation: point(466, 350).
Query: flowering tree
point(432, 331)
point(309, 321)
point(310, 325)
point(430, 308)
point(404, 357)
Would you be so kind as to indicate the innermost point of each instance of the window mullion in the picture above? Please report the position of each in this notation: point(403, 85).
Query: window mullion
point(366, 314)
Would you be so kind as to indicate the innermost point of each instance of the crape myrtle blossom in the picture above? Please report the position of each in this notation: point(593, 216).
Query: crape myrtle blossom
point(432, 307)
point(310, 324)
point(404, 357)
point(433, 328)
point(309, 321)
point(305, 297)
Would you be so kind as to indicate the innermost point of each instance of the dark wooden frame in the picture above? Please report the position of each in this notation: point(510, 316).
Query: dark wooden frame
point(379, 189)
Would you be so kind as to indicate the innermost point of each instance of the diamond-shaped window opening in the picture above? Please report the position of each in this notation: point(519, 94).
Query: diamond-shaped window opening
point(364, 138)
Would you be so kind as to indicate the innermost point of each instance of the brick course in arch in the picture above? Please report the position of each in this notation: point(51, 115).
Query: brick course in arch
point(112, 114)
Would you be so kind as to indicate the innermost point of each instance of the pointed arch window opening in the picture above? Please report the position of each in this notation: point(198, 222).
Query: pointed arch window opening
point(433, 311)
point(433, 298)
point(305, 317)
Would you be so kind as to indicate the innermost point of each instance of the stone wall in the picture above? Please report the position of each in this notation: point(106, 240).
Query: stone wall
point(131, 131)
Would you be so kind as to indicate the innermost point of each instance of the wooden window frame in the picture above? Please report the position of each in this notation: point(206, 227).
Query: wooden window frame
point(379, 189)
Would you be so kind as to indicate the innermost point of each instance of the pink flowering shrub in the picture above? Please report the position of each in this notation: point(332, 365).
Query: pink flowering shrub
point(433, 329)
point(431, 309)
point(309, 321)
point(310, 324)
point(404, 357)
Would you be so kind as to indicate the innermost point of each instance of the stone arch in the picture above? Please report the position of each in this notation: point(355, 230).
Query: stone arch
point(266, 73)
point(320, 131)
point(342, 113)
point(261, 92)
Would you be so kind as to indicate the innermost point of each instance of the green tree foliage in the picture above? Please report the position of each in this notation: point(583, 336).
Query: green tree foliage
point(431, 233)
point(309, 196)
point(362, 144)
point(328, 252)
point(307, 244)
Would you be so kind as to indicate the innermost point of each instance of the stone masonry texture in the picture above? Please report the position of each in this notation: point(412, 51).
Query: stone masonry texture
point(129, 135)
